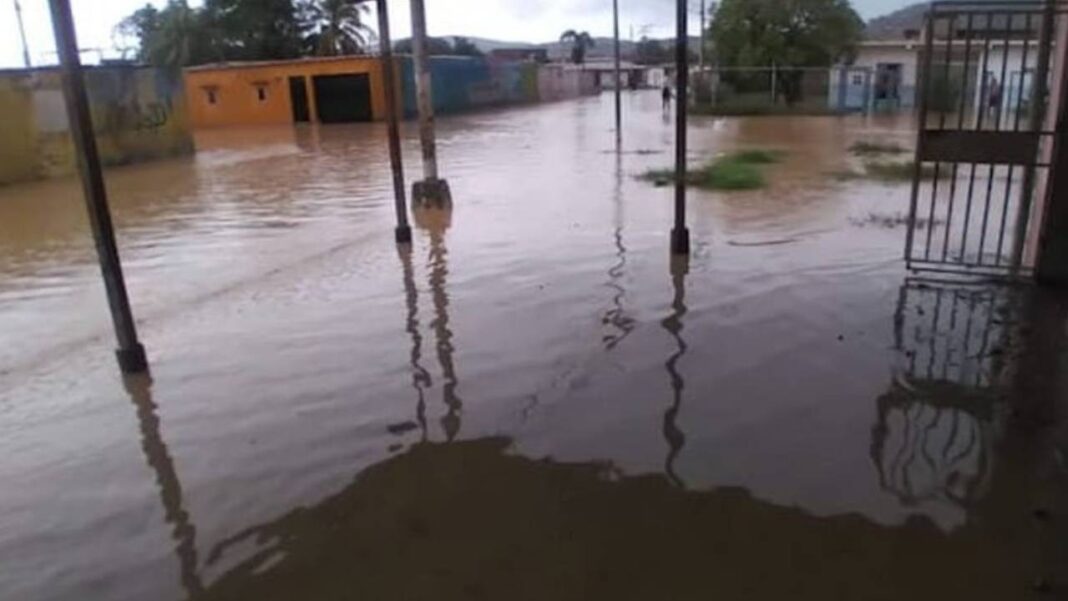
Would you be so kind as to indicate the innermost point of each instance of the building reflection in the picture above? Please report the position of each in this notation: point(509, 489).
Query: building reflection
point(436, 222)
point(673, 435)
point(159, 459)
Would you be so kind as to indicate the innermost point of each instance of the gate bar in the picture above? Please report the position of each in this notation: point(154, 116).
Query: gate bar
point(130, 354)
point(921, 135)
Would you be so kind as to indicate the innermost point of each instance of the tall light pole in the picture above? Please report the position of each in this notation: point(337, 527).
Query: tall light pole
point(22, 32)
point(131, 354)
point(701, 47)
point(619, 79)
point(680, 235)
point(432, 191)
point(403, 232)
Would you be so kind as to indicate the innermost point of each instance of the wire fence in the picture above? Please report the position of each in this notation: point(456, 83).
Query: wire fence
point(767, 90)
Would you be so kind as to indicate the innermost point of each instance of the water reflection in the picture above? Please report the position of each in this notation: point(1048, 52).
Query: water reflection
point(170, 488)
point(617, 317)
point(674, 436)
point(967, 358)
point(436, 222)
point(421, 379)
point(470, 520)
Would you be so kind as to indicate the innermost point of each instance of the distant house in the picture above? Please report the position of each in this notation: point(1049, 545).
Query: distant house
point(631, 75)
point(892, 52)
point(536, 55)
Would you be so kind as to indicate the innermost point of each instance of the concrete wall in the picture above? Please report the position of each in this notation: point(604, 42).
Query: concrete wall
point(236, 89)
point(466, 83)
point(138, 114)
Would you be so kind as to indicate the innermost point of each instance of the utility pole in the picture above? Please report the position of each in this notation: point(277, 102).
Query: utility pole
point(403, 232)
point(131, 354)
point(680, 235)
point(701, 48)
point(22, 32)
point(432, 191)
point(619, 77)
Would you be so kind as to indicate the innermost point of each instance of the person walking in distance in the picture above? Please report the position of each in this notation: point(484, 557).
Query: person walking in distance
point(667, 96)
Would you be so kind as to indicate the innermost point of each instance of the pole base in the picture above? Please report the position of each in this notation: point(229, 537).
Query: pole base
point(680, 241)
point(403, 234)
point(432, 193)
point(132, 360)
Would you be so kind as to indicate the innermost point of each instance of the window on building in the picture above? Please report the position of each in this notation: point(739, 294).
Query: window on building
point(261, 93)
point(213, 95)
point(858, 79)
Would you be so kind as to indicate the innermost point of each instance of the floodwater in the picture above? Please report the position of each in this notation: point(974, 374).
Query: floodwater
point(532, 402)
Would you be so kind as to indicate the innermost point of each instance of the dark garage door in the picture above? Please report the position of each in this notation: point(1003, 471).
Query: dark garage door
point(343, 98)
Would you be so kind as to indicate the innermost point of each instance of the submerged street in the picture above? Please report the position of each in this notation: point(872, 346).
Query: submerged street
point(534, 401)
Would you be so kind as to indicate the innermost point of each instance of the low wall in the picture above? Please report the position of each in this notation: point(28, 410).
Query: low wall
point(138, 114)
point(463, 83)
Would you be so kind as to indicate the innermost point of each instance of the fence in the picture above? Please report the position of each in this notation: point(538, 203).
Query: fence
point(770, 90)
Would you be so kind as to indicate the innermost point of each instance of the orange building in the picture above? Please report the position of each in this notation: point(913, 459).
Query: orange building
point(323, 90)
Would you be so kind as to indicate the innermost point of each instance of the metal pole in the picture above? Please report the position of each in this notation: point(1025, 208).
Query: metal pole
point(619, 79)
point(680, 236)
point(22, 33)
point(432, 190)
point(403, 233)
point(131, 354)
point(701, 49)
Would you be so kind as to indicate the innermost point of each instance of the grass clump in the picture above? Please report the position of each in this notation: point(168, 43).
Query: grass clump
point(740, 170)
point(892, 172)
point(877, 148)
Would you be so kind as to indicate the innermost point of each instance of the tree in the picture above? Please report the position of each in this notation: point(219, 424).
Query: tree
point(462, 46)
point(434, 47)
point(580, 42)
point(652, 52)
point(336, 27)
point(785, 33)
point(173, 37)
point(258, 29)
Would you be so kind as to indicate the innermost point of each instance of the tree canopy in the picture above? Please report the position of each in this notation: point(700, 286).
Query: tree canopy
point(581, 42)
point(793, 33)
point(228, 30)
point(441, 47)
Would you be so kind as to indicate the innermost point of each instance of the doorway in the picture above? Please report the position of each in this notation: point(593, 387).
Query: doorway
point(888, 79)
point(298, 94)
point(343, 98)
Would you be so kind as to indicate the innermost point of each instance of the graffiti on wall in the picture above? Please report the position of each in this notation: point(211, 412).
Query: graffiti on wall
point(135, 116)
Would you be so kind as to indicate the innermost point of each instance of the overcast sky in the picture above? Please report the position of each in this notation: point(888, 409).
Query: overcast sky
point(510, 20)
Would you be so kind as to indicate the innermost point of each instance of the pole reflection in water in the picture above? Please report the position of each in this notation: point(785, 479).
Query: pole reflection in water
point(421, 379)
point(157, 455)
point(676, 439)
point(436, 221)
point(617, 317)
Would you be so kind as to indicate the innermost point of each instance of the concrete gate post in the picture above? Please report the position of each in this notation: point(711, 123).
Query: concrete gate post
point(432, 191)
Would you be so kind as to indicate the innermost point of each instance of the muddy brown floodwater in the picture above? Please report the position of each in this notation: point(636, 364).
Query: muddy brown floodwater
point(533, 402)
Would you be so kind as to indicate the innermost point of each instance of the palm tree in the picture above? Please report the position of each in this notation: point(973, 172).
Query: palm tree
point(337, 27)
point(580, 43)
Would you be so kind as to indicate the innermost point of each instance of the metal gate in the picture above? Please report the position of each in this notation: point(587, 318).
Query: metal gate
point(983, 150)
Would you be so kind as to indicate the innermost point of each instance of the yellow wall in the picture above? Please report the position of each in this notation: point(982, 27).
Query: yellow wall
point(17, 144)
point(138, 114)
point(236, 89)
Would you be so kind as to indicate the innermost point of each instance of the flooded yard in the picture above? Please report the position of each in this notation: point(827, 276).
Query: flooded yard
point(534, 401)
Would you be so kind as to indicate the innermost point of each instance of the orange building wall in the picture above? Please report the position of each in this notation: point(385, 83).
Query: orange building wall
point(237, 100)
